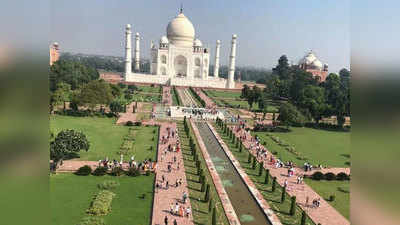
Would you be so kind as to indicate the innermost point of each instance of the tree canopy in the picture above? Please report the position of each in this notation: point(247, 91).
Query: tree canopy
point(67, 142)
point(96, 92)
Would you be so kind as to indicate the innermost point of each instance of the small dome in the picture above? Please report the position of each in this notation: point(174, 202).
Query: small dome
point(316, 63)
point(197, 43)
point(164, 40)
point(180, 31)
point(128, 26)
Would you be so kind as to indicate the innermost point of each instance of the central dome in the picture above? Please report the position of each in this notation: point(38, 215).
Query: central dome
point(180, 31)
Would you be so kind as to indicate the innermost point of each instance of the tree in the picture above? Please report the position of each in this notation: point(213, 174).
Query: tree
point(289, 115)
point(263, 103)
point(116, 106)
point(73, 73)
point(245, 91)
point(94, 93)
point(115, 90)
point(312, 98)
point(337, 98)
point(282, 69)
point(67, 142)
point(62, 94)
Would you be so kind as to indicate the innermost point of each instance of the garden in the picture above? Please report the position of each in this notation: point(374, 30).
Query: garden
point(316, 146)
point(108, 139)
point(115, 200)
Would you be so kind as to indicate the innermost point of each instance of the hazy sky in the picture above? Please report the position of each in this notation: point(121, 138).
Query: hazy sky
point(266, 29)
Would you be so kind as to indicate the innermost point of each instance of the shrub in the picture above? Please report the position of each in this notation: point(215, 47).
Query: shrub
point(117, 171)
point(108, 185)
point(342, 176)
point(138, 123)
point(330, 176)
point(101, 204)
point(92, 220)
point(100, 171)
point(318, 176)
point(133, 172)
point(344, 189)
point(122, 85)
point(129, 123)
point(84, 170)
point(148, 173)
point(332, 198)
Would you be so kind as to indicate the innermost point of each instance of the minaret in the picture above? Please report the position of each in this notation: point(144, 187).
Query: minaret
point(216, 66)
point(231, 74)
point(128, 51)
point(137, 53)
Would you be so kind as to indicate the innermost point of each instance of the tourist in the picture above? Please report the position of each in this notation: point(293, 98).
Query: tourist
point(181, 211)
point(175, 223)
point(166, 220)
point(166, 185)
point(180, 181)
point(188, 211)
point(285, 183)
point(171, 208)
point(184, 197)
point(176, 183)
point(176, 208)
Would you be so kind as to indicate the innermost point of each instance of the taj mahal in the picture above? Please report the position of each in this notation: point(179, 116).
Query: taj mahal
point(179, 59)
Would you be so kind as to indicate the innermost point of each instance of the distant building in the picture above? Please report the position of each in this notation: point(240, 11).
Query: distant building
point(54, 53)
point(180, 59)
point(311, 64)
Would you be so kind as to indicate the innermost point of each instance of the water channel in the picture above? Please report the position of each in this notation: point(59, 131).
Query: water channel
point(242, 200)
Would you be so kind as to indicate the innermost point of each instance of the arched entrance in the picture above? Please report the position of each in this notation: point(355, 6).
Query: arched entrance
point(180, 65)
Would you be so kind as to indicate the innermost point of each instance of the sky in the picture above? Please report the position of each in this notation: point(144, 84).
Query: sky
point(266, 29)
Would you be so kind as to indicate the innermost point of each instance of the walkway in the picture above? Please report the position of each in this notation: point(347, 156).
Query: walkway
point(325, 214)
point(186, 98)
point(209, 103)
point(128, 115)
point(163, 198)
point(166, 95)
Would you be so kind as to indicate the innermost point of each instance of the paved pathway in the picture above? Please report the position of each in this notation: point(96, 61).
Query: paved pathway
point(164, 197)
point(128, 115)
point(325, 214)
point(209, 102)
point(74, 165)
point(166, 95)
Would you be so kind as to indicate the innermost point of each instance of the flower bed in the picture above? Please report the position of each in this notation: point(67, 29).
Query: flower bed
point(101, 204)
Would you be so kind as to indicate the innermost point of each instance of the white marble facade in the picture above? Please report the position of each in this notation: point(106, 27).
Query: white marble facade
point(179, 59)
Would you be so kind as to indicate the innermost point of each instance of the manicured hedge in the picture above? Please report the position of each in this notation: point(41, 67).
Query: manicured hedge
point(84, 171)
point(329, 176)
point(100, 171)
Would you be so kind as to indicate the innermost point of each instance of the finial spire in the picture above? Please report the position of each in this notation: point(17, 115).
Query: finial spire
point(181, 10)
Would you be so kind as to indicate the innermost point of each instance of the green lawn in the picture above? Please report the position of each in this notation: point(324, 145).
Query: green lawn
point(273, 198)
point(106, 138)
point(328, 188)
point(70, 196)
point(329, 148)
point(149, 89)
point(223, 94)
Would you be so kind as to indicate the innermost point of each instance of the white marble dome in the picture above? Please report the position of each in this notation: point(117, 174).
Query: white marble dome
point(164, 40)
point(197, 43)
point(316, 63)
point(180, 31)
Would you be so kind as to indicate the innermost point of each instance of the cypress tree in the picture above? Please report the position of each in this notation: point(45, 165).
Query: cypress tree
point(207, 195)
point(210, 205)
point(214, 217)
point(293, 206)
point(273, 184)
point(240, 147)
point(283, 196)
point(261, 168)
point(254, 163)
point(266, 176)
point(237, 142)
point(249, 158)
point(303, 218)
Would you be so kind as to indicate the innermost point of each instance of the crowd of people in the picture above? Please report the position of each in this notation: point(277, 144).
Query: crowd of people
point(170, 146)
point(145, 165)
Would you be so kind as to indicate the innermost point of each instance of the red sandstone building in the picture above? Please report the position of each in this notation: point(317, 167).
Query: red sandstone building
point(311, 64)
point(54, 53)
